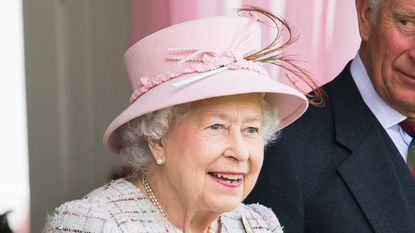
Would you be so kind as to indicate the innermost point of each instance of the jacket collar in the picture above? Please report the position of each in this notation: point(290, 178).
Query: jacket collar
point(371, 170)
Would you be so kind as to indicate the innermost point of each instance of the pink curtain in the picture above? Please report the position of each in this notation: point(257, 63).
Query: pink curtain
point(327, 29)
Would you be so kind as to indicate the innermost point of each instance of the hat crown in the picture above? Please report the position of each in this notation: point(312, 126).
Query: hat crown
point(201, 59)
point(161, 52)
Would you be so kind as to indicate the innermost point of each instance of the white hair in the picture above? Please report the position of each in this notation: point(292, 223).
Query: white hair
point(155, 125)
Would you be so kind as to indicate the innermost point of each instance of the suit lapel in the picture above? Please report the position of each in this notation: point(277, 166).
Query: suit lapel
point(370, 170)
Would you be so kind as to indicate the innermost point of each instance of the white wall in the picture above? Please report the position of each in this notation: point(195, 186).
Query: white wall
point(75, 85)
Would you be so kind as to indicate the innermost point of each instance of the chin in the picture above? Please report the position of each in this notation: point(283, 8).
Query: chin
point(225, 204)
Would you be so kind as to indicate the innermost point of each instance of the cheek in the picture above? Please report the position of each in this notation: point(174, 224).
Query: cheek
point(183, 154)
point(384, 57)
point(384, 48)
point(255, 164)
point(392, 59)
point(393, 45)
point(192, 154)
point(257, 154)
point(180, 143)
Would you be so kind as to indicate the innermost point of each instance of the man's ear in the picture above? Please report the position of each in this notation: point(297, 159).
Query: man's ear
point(363, 18)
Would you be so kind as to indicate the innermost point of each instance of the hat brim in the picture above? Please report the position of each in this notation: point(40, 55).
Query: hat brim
point(290, 103)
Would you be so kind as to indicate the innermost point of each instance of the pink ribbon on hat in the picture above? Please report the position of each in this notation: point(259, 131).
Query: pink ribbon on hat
point(203, 61)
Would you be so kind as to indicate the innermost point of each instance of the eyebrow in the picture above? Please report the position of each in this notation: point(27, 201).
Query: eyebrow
point(407, 14)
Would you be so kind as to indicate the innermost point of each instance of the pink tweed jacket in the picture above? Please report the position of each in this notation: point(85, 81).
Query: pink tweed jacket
point(120, 207)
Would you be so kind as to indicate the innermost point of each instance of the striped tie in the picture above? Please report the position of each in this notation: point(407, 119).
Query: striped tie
point(408, 126)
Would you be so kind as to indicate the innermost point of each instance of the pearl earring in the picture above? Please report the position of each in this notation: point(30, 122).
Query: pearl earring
point(160, 161)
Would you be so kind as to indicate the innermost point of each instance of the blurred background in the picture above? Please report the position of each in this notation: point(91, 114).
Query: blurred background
point(62, 81)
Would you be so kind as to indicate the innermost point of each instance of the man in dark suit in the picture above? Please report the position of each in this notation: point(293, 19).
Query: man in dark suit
point(342, 168)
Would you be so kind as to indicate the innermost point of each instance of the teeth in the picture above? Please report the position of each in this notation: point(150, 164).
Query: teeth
point(229, 177)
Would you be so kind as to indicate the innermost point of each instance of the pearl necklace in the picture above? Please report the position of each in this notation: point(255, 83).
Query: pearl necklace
point(211, 229)
point(153, 198)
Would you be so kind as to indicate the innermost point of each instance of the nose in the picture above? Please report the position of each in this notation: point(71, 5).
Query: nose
point(237, 148)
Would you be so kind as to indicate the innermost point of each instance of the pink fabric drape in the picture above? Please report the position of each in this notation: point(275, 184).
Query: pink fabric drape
point(327, 29)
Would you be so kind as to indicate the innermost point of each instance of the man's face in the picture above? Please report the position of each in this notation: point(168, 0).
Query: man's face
point(388, 52)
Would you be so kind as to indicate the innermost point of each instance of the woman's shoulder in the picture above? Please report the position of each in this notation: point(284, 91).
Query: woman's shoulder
point(119, 190)
point(259, 217)
point(102, 210)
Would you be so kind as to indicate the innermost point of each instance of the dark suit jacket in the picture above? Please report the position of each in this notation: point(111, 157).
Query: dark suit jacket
point(336, 170)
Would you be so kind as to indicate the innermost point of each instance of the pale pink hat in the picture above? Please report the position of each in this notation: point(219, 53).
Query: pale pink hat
point(196, 60)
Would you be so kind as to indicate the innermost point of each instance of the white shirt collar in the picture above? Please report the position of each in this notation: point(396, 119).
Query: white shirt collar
point(386, 115)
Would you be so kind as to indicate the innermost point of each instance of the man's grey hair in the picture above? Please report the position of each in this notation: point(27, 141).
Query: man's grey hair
point(375, 5)
point(154, 125)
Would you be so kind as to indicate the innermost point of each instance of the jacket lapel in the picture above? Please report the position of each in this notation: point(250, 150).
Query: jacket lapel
point(370, 170)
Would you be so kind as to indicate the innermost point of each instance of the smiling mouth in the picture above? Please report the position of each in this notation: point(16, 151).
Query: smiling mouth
point(228, 180)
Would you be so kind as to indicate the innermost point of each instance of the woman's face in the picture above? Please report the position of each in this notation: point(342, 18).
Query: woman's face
point(214, 154)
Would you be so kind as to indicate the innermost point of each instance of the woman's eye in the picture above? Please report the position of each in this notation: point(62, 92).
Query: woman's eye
point(252, 130)
point(216, 127)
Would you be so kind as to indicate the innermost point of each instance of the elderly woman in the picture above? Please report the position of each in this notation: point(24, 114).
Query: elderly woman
point(201, 112)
